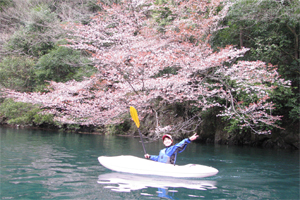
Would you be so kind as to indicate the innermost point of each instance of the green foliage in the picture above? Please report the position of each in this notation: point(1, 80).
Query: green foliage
point(17, 73)
point(294, 103)
point(271, 30)
point(287, 102)
point(160, 2)
point(93, 6)
point(62, 64)
point(232, 126)
point(71, 127)
point(167, 71)
point(37, 35)
point(23, 113)
point(4, 4)
point(28, 43)
point(38, 32)
point(40, 17)
point(118, 129)
point(163, 16)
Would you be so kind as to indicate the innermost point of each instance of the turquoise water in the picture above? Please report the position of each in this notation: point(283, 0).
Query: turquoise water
point(39, 164)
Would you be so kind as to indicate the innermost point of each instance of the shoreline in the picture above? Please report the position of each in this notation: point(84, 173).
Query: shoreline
point(266, 145)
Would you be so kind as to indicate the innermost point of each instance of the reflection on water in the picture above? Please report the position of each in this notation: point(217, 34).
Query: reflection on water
point(51, 165)
point(123, 182)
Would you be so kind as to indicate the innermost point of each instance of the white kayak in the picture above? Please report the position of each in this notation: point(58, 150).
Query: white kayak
point(135, 165)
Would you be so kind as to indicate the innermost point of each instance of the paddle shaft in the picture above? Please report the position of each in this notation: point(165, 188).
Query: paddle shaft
point(142, 141)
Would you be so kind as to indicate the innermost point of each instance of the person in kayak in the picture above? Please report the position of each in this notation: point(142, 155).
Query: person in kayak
point(169, 154)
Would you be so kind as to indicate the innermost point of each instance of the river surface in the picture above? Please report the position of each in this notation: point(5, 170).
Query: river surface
point(39, 164)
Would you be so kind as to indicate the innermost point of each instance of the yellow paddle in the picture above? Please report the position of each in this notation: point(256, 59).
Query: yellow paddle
point(136, 120)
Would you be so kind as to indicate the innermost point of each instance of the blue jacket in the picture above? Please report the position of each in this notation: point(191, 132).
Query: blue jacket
point(168, 155)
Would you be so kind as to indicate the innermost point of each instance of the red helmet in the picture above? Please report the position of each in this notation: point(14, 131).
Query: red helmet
point(167, 135)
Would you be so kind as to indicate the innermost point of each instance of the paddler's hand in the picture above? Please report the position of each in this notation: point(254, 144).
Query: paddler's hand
point(147, 156)
point(194, 137)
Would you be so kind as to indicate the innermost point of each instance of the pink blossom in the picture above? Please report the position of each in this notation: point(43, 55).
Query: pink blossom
point(129, 53)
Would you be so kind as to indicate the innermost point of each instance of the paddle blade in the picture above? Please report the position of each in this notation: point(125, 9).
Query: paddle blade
point(134, 116)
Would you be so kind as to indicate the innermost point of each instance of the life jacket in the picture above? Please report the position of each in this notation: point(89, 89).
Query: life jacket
point(164, 158)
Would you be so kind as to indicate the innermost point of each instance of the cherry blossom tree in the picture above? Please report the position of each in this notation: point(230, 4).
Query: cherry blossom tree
point(132, 57)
